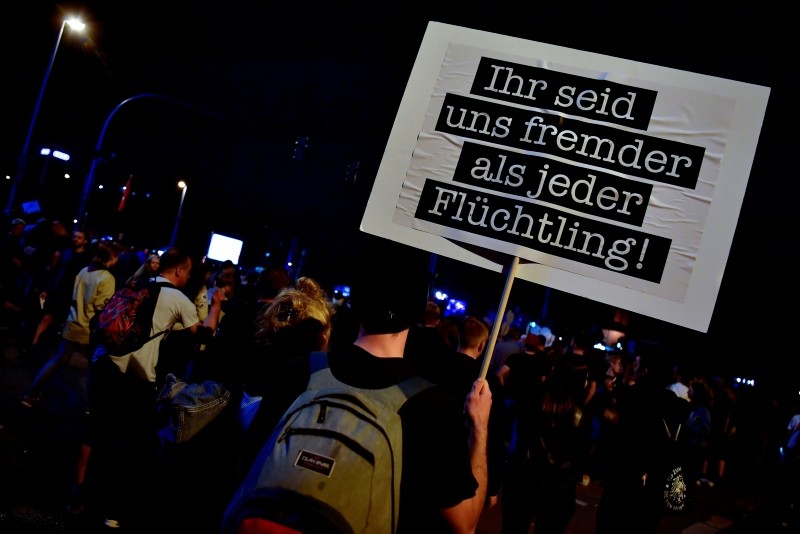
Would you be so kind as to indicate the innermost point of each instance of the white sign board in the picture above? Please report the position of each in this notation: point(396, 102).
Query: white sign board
point(610, 179)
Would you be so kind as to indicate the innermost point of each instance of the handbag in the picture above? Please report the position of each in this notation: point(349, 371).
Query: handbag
point(189, 408)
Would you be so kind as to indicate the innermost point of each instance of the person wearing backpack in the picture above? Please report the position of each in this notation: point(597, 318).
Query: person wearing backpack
point(93, 286)
point(647, 451)
point(122, 393)
point(443, 476)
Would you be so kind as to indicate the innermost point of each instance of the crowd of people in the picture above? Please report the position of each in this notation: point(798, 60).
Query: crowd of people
point(548, 414)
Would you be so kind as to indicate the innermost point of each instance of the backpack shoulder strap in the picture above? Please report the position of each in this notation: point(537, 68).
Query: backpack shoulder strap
point(154, 301)
point(672, 436)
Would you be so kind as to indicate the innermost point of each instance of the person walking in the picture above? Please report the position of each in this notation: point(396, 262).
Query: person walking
point(122, 392)
point(92, 288)
point(435, 495)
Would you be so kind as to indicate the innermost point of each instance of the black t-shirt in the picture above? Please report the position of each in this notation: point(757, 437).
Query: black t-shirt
point(526, 371)
point(454, 371)
point(436, 471)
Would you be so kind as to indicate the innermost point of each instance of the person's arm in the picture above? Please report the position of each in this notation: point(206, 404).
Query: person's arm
point(502, 374)
point(464, 516)
point(590, 391)
point(105, 290)
point(214, 309)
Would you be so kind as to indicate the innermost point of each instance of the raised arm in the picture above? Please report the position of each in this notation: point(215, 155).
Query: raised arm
point(464, 516)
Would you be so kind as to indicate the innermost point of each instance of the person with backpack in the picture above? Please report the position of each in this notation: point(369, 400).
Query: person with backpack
point(313, 475)
point(123, 389)
point(92, 288)
point(647, 449)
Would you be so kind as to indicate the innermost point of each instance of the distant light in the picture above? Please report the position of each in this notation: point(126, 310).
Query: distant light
point(745, 381)
point(440, 295)
point(267, 254)
point(74, 221)
point(182, 184)
point(8, 177)
point(75, 24)
point(455, 306)
point(288, 264)
point(63, 156)
point(344, 291)
point(100, 186)
point(67, 176)
point(533, 324)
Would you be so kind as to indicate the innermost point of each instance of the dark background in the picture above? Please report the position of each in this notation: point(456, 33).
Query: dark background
point(238, 85)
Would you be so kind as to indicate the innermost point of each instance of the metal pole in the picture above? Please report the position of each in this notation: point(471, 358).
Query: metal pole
point(178, 217)
point(22, 164)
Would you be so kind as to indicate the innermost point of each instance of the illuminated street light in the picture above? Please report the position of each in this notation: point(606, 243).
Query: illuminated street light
point(49, 153)
point(182, 185)
point(22, 164)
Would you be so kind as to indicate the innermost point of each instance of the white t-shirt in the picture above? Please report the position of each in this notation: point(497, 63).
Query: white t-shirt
point(172, 307)
point(680, 389)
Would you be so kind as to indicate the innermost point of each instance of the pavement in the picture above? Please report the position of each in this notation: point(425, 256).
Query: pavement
point(39, 450)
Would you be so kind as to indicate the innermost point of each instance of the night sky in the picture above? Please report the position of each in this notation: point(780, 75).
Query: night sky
point(234, 87)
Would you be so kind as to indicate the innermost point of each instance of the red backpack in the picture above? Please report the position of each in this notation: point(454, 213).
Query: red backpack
point(124, 324)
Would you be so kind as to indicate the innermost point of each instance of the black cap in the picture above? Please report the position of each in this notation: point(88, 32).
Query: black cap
point(390, 290)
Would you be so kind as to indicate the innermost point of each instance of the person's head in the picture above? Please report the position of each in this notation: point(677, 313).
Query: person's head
point(473, 333)
point(581, 343)
point(448, 326)
point(108, 253)
point(533, 343)
point(388, 303)
point(79, 239)
point(616, 363)
point(512, 334)
point(652, 363)
point(301, 313)
point(17, 227)
point(271, 281)
point(153, 263)
point(699, 393)
point(226, 281)
point(176, 267)
point(432, 315)
point(58, 228)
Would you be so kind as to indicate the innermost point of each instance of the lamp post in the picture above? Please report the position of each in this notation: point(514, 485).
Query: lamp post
point(22, 164)
point(82, 217)
point(183, 187)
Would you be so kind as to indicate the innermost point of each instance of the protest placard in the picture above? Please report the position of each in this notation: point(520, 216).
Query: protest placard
point(611, 179)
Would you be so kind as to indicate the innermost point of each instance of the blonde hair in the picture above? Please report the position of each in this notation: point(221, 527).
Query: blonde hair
point(301, 303)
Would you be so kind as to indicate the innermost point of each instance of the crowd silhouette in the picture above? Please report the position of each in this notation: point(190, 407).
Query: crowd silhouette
point(564, 412)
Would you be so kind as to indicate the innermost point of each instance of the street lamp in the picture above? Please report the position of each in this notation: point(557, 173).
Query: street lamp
point(75, 25)
point(49, 153)
point(82, 217)
point(182, 185)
